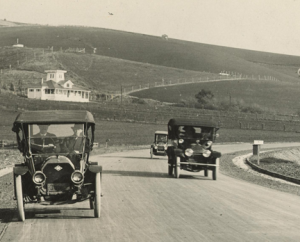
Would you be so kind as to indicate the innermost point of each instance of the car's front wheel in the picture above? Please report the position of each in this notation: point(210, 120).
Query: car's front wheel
point(97, 201)
point(216, 169)
point(20, 200)
point(177, 167)
point(91, 203)
point(170, 169)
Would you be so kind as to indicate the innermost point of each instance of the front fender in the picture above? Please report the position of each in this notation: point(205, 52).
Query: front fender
point(95, 168)
point(216, 154)
point(179, 152)
point(20, 170)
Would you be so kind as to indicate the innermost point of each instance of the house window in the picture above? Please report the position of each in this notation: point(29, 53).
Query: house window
point(79, 93)
point(86, 95)
point(68, 85)
point(38, 90)
point(49, 91)
point(82, 94)
point(65, 92)
point(60, 91)
point(31, 90)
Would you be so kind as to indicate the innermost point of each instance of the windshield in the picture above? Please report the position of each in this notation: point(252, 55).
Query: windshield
point(56, 138)
point(161, 138)
point(191, 132)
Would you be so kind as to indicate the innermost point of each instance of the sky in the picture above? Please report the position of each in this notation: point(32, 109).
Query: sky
point(263, 25)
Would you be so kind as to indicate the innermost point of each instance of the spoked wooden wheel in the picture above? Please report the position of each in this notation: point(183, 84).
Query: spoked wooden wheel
point(19, 195)
point(97, 201)
point(177, 167)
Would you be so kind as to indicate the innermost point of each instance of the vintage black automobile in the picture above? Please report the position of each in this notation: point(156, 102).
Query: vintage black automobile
point(56, 169)
point(160, 144)
point(191, 146)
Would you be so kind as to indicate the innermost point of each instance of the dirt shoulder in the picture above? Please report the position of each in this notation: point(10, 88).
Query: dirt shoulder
point(228, 168)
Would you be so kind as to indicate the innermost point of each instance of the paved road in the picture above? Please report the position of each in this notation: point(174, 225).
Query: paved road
point(142, 203)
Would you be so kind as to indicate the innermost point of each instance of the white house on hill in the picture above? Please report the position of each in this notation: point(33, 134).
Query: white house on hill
point(56, 88)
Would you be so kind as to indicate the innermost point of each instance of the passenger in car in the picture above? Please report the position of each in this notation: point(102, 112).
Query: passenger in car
point(75, 142)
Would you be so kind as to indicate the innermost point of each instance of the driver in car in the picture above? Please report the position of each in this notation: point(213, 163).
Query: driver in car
point(189, 132)
point(45, 138)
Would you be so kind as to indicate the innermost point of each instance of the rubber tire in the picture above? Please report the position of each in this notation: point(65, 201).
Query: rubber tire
point(216, 170)
point(97, 201)
point(205, 172)
point(91, 203)
point(177, 167)
point(151, 153)
point(170, 169)
point(20, 200)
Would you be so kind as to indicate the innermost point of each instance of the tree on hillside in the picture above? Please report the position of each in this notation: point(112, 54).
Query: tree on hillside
point(12, 87)
point(20, 85)
point(204, 96)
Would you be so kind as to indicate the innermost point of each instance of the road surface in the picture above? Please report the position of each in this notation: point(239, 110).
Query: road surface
point(142, 203)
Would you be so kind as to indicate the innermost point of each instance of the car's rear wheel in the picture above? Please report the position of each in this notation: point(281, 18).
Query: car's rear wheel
point(177, 167)
point(205, 172)
point(20, 200)
point(97, 201)
point(91, 203)
point(151, 153)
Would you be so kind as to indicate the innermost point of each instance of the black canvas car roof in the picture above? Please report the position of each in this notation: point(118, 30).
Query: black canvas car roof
point(55, 116)
point(192, 122)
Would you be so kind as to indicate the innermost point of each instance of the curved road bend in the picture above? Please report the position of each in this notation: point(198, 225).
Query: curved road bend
point(142, 203)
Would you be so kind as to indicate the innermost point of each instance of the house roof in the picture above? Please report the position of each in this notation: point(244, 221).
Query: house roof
point(63, 82)
point(55, 71)
point(52, 85)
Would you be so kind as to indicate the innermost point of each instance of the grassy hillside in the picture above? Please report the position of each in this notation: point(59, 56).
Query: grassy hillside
point(128, 59)
point(152, 49)
point(273, 96)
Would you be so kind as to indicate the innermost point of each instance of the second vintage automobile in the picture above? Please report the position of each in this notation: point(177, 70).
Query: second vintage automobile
point(191, 148)
point(160, 144)
point(56, 170)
